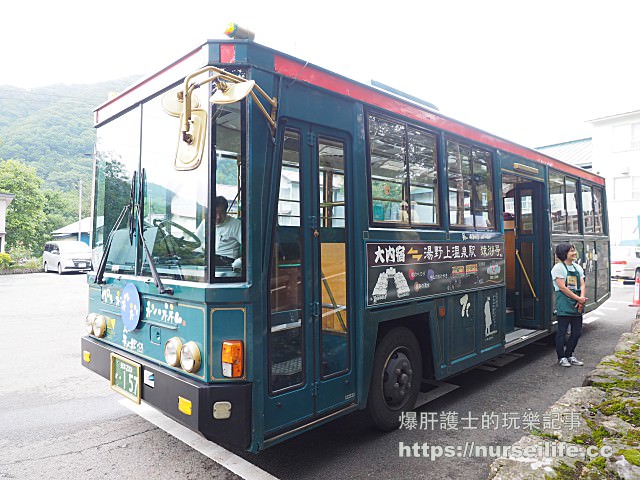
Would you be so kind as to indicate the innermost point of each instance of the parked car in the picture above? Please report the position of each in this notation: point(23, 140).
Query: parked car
point(625, 262)
point(66, 256)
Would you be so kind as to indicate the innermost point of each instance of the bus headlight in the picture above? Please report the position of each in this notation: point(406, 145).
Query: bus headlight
point(190, 357)
point(88, 322)
point(172, 351)
point(99, 326)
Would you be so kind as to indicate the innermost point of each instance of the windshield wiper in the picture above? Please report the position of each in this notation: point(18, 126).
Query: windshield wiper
point(133, 207)
point(107, 245)
point(154, 272)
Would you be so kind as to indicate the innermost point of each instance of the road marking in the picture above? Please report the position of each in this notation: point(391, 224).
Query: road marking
point(215, 452)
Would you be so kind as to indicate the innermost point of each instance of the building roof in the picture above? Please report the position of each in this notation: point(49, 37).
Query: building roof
point(575, 152)
point(615, 117)
point(85, 225)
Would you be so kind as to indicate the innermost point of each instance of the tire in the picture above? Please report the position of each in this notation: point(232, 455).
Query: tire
point(59, 269)
point(45, 267)
point(396, 378)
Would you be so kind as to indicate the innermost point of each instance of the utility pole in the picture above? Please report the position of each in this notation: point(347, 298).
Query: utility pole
point(80, 212)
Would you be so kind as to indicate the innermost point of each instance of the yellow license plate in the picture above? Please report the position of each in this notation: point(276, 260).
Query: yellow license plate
point(125, 377)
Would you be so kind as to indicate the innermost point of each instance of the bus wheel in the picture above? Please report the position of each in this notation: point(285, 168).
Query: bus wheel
point(397, 374)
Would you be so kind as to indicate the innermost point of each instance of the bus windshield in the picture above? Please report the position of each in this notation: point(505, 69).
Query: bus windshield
point(174, 202)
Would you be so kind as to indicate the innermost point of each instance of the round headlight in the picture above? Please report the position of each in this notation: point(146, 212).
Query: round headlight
point(190, 357)
point(172, 351)
point(99, 326)
point(88, 322)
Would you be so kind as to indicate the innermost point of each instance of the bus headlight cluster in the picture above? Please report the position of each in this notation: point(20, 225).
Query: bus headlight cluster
point(96, 324)
point(187, 355)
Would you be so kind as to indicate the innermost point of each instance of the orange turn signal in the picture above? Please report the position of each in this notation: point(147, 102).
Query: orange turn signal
point(232, 358)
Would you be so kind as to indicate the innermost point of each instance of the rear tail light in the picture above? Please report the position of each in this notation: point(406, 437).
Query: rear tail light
point(232, 358)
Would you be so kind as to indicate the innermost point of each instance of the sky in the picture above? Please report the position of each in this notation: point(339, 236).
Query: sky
point(534, 72)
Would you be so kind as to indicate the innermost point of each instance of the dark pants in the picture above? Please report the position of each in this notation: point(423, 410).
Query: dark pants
point(565, 349)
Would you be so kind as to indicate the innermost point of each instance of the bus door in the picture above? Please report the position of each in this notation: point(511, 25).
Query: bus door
point(523, 246)
point(310, 342)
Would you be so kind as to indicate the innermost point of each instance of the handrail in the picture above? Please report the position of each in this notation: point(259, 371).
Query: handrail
point(524, 270)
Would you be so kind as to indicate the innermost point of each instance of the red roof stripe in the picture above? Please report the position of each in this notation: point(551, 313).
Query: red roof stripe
point(320, 78)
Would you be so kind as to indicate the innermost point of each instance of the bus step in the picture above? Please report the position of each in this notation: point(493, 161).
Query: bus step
point(502, 360)
point(436, 389)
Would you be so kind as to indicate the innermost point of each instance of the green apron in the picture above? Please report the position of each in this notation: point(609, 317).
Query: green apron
point(564, 305)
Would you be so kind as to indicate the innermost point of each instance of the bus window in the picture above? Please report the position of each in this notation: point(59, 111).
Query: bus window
point(572, 205)
point(388, 172)
point(556, 203)
point(286, 361)
point(117, 154)
point(175, 202)
point(597, 210)
point(470, 187)
point(228, 243)
point(587, 208)
point(423, 177)
point(335, 326)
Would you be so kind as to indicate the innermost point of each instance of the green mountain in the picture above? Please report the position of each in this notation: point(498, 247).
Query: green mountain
point(51, 129)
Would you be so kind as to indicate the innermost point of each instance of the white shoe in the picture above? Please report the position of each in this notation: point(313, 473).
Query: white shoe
point(575, 361)
point(564, 362)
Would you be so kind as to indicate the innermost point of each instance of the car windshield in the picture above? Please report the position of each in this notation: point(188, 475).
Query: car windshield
point(74, 247)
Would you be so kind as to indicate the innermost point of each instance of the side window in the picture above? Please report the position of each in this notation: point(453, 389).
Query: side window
point(563, 199)
point(470, 187)
point(556, 201)
point(571, 188)
point(286, 329)
point(404, 178)
point(598, 219)
point(388, 172)
point(587, 208)
point(423, 177)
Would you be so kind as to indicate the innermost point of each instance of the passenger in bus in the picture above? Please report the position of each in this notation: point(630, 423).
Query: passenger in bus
point(569, 285)
point(228, 235)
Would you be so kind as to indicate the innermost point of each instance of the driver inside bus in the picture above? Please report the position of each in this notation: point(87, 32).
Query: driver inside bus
point(228, 236)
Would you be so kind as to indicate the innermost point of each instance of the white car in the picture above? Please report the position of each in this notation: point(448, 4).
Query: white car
point(625, 262)
point(66, 256)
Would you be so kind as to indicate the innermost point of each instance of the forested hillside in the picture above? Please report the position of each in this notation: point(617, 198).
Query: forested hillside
point(51, 129)
point(49, 134)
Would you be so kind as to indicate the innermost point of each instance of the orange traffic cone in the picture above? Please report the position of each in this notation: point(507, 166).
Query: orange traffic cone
point(636, 294)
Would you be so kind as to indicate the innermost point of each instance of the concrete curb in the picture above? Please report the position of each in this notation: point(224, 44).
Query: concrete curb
point(21, 270)
point(604, 443)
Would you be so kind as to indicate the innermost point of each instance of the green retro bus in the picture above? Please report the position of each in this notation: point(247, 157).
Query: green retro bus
point(276, 245)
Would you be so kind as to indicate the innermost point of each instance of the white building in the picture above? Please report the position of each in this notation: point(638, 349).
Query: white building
point(616, 156)
point(5, 200)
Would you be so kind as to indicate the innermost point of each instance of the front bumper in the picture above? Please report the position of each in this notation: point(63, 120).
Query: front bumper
point(168, 386)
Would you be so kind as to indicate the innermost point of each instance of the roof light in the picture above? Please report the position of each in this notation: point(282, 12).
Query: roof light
point(239, 33)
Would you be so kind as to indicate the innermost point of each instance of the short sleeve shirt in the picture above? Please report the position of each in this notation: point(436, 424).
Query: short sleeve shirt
point(228, 235)
point(558, 271)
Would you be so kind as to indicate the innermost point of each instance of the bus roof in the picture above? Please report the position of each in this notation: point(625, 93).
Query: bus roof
point(244, 52)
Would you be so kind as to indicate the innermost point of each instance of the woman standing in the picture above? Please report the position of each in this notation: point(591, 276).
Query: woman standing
point(570, 300)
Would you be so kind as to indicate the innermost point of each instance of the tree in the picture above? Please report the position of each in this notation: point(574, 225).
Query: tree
point(25, 222)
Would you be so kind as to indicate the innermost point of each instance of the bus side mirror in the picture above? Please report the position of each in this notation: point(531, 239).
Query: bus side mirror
point(191, 143)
